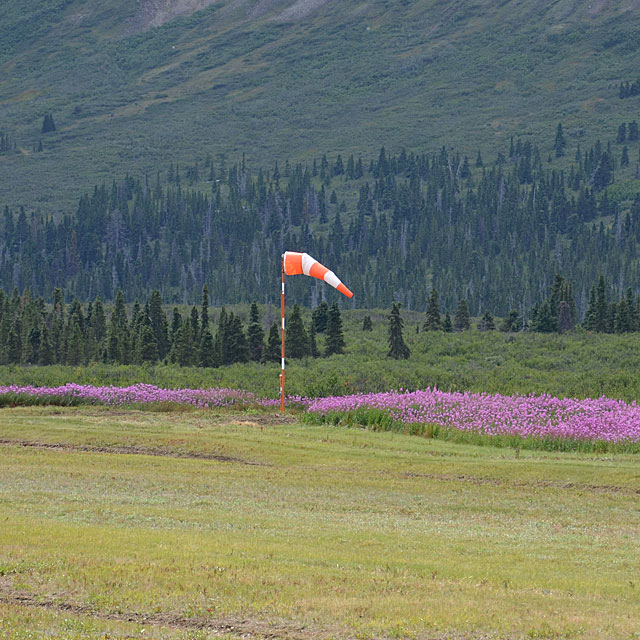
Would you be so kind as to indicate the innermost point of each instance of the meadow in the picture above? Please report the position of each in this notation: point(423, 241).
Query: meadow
point(216, 523)
point(373, 516)
point(578, 364)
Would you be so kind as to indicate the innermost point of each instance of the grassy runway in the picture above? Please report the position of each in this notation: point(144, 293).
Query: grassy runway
point(193, 524)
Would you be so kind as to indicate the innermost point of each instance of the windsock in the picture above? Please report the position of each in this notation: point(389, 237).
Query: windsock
point(302, 263)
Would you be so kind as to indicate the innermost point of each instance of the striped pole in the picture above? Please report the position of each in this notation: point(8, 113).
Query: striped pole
point(282, 316)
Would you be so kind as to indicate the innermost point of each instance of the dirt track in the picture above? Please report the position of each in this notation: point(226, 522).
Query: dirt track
point(241, 627)
point(128, 450)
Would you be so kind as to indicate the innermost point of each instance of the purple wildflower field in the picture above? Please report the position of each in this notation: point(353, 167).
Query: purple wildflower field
point(136, 394)
point(541, 417)
point(602, 419)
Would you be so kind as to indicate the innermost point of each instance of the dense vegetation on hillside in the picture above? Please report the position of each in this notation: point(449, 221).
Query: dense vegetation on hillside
point(494, 233)
point(130, 89)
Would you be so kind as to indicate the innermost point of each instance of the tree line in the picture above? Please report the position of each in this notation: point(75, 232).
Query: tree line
point(556, 314)
point(494, 233)
point(629, 89)
point(37, 333)
point(6, 143)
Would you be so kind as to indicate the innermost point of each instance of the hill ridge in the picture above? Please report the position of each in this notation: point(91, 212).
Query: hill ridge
point(295, 79)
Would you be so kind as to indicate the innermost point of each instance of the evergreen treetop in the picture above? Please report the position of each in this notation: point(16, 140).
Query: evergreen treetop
point(398, 349)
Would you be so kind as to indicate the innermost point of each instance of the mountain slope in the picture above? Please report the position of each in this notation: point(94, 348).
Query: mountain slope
point(133, 87)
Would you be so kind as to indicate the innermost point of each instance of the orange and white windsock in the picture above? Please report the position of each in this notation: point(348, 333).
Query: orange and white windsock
point(302, 263)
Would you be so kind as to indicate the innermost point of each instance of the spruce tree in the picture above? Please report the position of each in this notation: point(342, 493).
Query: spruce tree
point(623, 322)
point(624, 160)
point(136, 317)
point(367, 325)
point(75, 345)
point(273, 352)
point(320, 317)
point(433, 320)
point(237, 348)
point(335, 337)
point(590, 320)
point(543, 320)
point(487, 323)
point(560, 142)
point(221, 341)
point(207, 356)
point(297, 341)
point(159, 324)
point(603, 175)
point(34, 338)
point(195, 324)
point(398, 349)
point(255, 334)
point(48, 124)
point(632, 310)
point(176, 323)
point(57, 325)
point(313, 345)
point(182, 350)
point(465, 170)
point(99, 321)
point(565, 320)
point(204, 308)
point(112, 350)
point(601, 314)
point(147, 345)
point(45, 356)
point(512, 322)
point(447, 325)
point(557, 294)
point(612, 308)
point(461, 320)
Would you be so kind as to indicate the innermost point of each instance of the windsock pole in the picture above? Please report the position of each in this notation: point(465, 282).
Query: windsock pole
point(295, 263)
point(282, 315)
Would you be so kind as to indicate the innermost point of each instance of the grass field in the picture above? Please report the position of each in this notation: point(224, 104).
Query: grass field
point(200, 524)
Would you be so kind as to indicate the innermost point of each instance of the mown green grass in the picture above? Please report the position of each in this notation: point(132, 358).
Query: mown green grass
point(343, 532)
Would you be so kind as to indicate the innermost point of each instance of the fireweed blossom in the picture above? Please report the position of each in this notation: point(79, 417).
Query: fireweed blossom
point(530, 416)
point(136, 394)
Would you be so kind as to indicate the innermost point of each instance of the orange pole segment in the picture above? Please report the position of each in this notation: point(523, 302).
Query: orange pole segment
point(282, 318)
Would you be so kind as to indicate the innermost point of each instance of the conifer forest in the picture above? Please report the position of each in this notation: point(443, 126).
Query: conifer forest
point(494, 233)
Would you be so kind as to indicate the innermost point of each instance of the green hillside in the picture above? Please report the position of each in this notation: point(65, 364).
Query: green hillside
point(134, 86)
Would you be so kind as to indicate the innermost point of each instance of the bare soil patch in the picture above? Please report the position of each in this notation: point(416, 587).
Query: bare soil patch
point(128, 450)
point(244, 627)
point(241, 627)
